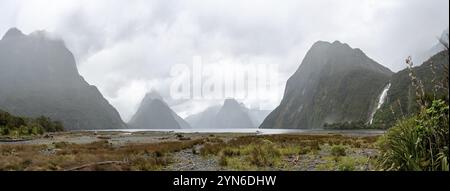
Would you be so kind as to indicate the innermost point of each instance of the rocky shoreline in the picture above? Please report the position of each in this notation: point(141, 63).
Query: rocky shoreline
point(108, 150)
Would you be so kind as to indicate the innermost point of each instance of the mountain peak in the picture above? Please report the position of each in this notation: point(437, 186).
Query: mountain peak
point(323, 53)
point(322, 47)
point(41, 35)
point(230, 101)
point(13, 33)
point(325, 71)
point(154, 113)
point(152, 95)
point(46, 71)
point(231, 104)
point(321, 43)
point(233, 115)
point(337, 42)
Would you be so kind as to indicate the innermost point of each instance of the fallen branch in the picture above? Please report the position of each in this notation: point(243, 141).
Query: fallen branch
point(94, 164)
point(13, 140)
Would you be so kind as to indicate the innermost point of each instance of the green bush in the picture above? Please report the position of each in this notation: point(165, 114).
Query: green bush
point(346, 164)
point(19, 126)
point(229, 152)
point(347, 125)
point(338, 150)
point(419, 143)
point(223, 161)
point(265, 154)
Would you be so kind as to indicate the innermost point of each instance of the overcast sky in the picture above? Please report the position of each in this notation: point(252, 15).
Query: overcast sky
point(127, 48)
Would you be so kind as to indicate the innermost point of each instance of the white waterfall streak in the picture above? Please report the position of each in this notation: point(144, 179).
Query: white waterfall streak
point(381, 100)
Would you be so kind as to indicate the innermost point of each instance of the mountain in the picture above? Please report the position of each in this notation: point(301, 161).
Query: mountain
point(438, 47)
point(401, 97)
point(233, 115)
point(230, 115)
point(154, 113)
point(205, 119)
point(257, 116)
point(39, 76)
point(334, 84)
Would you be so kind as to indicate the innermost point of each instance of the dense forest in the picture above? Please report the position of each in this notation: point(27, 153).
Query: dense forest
point(15, 126)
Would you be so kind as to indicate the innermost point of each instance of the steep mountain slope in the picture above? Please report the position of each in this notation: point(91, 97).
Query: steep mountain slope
point(401, 97)
point(154, 113)
point(233, 115)
point(436, 48)
point(334, 83)
point(38, 76)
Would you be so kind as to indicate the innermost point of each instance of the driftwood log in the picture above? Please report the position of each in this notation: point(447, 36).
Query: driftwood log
point(95, 164)
point(13, 140)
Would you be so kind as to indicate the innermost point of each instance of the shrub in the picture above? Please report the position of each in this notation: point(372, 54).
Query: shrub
point(346, 164)
point(347, 125)
point(230, 152)
point(264, 154)
point(418, 143)
point(304, 150)
point(210, 149)
point(223, 161)
point(61, 145)
point(19, 126)
point(338, 150)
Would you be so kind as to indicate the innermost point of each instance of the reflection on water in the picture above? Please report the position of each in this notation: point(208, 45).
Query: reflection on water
point(255, 131)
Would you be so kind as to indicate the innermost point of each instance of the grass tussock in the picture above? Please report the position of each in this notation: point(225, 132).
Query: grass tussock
point(345, 163)
point(268, 152)
point(338, 150)
point(419, 143)
point(272, 151)
point(100, 155)
point(264, 155)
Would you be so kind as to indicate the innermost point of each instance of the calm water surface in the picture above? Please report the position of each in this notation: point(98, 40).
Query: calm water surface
point(256, 131)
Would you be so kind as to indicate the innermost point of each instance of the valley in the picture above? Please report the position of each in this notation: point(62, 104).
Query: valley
point(145, 150)
point(341, 111)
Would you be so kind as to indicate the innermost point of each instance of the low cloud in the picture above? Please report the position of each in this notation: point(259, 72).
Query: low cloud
point(127, 48)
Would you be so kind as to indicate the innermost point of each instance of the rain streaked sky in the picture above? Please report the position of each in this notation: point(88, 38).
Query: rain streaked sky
point(127, 48)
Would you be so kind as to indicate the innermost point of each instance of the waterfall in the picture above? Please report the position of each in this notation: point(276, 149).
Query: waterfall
point(381, 100)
